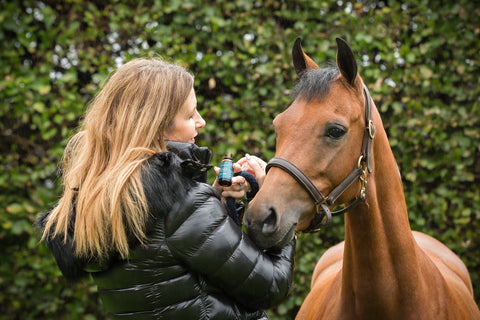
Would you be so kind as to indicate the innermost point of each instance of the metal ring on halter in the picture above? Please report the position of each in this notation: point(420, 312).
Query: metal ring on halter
point(359, 163)
point(328, 214)
point(371, 129)
point(319, 206)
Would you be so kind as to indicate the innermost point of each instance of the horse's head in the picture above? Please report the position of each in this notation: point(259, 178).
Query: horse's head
point(321, 134)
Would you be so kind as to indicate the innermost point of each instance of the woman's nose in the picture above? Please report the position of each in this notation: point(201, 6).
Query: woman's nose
point(200, 123)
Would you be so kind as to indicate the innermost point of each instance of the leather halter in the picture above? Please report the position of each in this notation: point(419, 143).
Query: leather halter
point(322, 203)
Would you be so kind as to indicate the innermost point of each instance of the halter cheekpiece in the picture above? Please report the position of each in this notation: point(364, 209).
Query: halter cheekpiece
point(323, 214)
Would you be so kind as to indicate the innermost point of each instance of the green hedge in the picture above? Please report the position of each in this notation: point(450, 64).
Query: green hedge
point(420, 60)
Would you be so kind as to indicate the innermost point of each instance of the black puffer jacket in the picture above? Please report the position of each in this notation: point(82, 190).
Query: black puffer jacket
point(198, 264)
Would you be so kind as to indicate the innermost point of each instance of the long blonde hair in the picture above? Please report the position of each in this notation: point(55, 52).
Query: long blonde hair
point(122, 128)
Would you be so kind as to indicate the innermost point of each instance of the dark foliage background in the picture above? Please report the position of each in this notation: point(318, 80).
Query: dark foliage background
point(419, 58)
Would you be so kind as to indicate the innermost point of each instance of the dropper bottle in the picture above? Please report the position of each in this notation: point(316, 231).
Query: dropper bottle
point(226, 171)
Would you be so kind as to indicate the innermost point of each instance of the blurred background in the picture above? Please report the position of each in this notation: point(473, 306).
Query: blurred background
point(420, 60)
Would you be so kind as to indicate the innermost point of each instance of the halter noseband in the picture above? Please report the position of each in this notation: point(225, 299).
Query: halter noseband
point(360, 172)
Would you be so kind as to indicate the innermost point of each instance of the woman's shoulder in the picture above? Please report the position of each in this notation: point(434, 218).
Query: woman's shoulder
point(163, 178)
point(171, 165)
point(168, 167)
point(168, 179)
point(163, 161)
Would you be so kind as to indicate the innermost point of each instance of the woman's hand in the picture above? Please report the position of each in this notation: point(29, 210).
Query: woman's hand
point(239, 187)
point(255, 166)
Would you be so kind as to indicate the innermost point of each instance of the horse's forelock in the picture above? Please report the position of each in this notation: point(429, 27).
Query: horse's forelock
point(315, 83)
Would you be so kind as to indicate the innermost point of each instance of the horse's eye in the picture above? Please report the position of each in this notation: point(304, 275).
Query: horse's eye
point(335, 132)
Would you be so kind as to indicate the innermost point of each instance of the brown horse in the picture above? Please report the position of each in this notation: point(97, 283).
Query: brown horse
point(331, 141)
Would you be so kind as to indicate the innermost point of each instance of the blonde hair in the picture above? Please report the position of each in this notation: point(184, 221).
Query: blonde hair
point(123, 127)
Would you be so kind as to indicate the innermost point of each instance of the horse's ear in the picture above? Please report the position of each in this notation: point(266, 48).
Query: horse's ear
point(301, 61)
point(346, 61)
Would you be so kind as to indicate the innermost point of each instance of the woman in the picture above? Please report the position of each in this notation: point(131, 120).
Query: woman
point(137, 214)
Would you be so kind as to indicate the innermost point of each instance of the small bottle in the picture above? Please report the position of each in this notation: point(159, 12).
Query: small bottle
point(226, 171)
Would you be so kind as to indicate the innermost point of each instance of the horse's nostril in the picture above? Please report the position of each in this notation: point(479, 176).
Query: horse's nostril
point(270, 224)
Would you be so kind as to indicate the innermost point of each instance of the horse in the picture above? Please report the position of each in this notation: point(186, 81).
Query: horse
point(331, 141)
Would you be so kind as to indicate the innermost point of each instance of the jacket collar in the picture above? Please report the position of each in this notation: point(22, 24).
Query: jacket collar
point(194, 158)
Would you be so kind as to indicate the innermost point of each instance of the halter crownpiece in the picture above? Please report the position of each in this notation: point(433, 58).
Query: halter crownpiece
point(323, 214)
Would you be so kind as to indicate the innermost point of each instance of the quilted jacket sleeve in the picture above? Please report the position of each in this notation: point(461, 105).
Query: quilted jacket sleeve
point(200, 233)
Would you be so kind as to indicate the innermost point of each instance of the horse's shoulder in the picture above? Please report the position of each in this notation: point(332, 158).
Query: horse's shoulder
point(326, 276)
point(329, 264)
point(447, 262)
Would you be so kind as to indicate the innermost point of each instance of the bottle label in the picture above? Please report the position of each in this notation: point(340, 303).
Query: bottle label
point(226, 171)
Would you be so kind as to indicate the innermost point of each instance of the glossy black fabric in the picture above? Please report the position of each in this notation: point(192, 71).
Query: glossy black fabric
point(197, 264)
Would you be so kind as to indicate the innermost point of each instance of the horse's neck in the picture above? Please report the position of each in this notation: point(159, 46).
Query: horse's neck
point(379, 257)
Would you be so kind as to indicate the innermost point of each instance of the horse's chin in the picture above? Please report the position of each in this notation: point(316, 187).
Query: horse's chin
point(286, 239)
point(272, 223)
point(275, 241)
